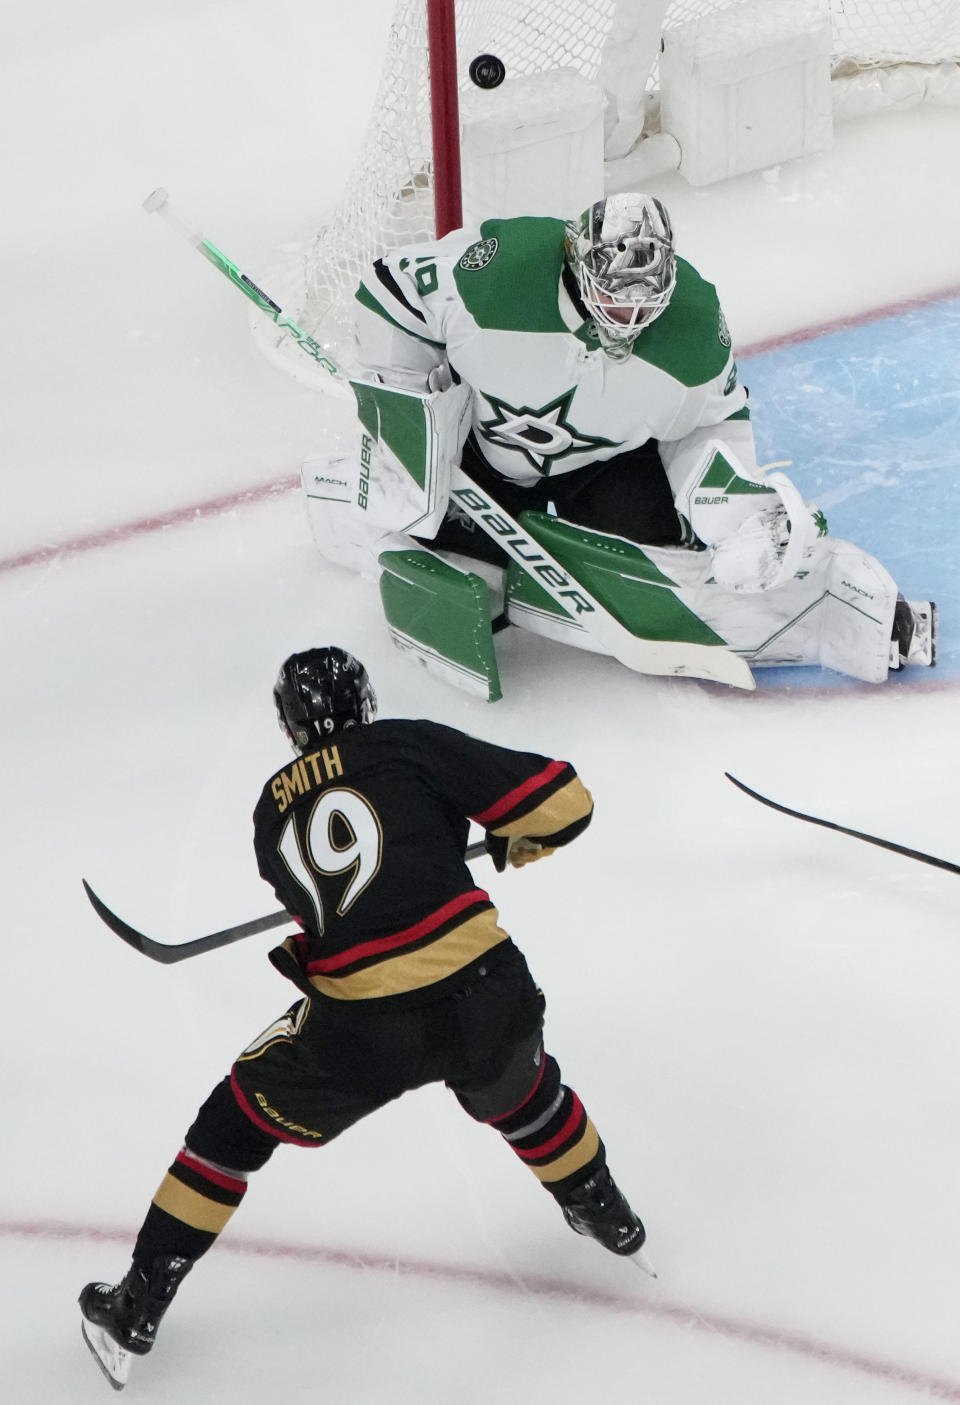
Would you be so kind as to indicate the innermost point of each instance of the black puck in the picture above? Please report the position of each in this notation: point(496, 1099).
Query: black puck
point(487, 71)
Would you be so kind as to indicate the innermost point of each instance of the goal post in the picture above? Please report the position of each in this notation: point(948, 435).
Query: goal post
point(444, 115)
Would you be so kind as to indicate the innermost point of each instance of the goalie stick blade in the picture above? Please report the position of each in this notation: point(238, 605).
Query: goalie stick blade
point(843, 829)
point(167, 954)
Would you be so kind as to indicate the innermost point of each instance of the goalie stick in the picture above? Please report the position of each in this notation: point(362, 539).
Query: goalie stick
point(167, 953)
point(843, 829)
point(158, 203)
point(653, 656)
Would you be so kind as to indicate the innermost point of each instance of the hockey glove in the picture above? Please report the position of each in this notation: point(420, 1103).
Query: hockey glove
point(751, 559)
point(524, 850)
point(769, 547)
point(516, 850)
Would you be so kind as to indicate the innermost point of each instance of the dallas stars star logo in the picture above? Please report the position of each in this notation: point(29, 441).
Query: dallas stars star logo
point(541, 435)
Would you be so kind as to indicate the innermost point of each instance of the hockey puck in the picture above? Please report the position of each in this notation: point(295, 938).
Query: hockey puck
point(487, 71)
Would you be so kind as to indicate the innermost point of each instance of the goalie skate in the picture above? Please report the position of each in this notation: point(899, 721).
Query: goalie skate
point(914, 640)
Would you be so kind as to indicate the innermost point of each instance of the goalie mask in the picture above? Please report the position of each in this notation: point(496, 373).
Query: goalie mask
point(621, 254)
point(319, 692)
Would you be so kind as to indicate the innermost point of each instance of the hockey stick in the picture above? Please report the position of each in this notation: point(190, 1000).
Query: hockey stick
point(663, 657)
point(843, 829)
point(167, 954)
point(158, 203)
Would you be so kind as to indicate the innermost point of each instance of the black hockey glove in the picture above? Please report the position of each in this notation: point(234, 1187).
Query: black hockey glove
point(498, 846)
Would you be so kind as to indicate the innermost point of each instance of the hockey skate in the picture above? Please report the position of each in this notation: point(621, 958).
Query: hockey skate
point(914, 639)
point(121, 1322)
point(599, 1209)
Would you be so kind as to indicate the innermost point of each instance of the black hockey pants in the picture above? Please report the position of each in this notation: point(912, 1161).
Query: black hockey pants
point(324, 1065)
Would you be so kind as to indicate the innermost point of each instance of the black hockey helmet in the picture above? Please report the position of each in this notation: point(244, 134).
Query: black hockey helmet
point(319, 692)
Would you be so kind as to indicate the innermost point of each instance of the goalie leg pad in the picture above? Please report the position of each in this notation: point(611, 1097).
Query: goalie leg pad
point(441, 616)
point(858, 618)
point(622, 576)
point(837, 612)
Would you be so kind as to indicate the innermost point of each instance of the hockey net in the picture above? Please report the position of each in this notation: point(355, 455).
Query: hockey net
point(389, 198)
point(868, 33)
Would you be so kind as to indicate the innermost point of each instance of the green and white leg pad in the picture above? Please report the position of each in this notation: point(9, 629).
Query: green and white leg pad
point(441, 615)
point(836, 611)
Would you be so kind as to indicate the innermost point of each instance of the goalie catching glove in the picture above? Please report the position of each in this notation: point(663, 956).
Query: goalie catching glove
point(768, 547)
point(757, 527)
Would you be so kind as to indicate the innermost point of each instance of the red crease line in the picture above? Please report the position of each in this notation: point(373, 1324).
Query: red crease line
point(841, 324)
point(143, 526)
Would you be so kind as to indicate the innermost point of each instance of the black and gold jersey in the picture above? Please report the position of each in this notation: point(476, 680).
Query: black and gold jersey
point(363, 840)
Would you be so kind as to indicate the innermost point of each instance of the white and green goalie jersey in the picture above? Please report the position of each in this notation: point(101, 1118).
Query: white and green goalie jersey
point(498, 305)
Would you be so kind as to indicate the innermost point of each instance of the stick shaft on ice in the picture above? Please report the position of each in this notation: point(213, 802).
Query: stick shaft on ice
point(843, 829)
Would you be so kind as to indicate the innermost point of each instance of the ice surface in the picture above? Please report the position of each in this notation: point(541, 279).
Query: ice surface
point(760, 1015)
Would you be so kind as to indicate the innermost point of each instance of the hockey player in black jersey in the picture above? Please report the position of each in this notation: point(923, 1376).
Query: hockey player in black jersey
point(406, 978)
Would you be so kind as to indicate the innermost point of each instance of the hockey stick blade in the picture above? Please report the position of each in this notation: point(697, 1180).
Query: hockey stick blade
point(168, 953)
point(843, 829)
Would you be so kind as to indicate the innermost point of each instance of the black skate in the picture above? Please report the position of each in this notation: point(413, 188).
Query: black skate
point(597, 1208)
point(914, 638)
point(121, 1322)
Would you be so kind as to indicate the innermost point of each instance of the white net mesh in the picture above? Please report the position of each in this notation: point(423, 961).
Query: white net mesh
point(389, 198)
point(868, 33)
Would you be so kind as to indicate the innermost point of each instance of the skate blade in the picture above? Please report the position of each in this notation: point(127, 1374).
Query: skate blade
point(113, 1361)
point(642, 1261)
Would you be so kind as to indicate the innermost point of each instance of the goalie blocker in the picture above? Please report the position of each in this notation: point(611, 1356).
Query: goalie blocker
point(772, 588)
